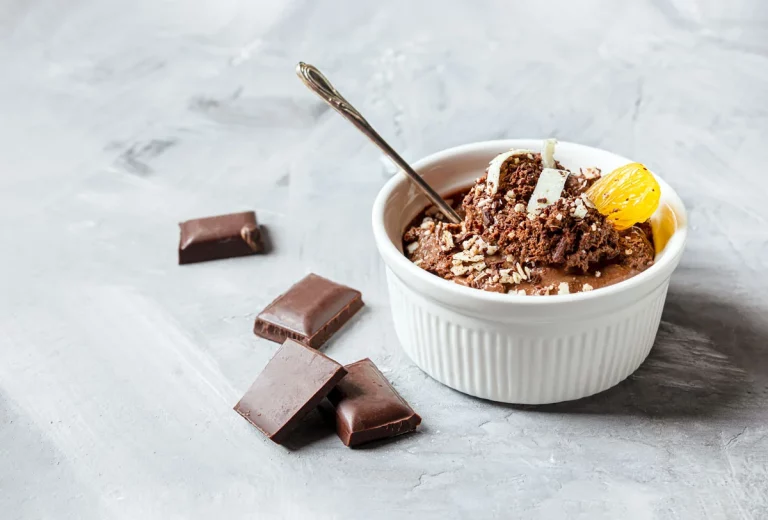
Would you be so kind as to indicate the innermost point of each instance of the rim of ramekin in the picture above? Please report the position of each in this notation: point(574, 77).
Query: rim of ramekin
point(397, 261)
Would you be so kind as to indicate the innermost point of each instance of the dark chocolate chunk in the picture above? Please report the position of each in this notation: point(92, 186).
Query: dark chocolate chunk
point(310, 312)
point(368, 408)
point(213, 238)
point(293, 383)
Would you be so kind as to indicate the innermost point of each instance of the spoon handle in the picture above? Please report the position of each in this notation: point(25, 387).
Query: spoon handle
point(320, 85)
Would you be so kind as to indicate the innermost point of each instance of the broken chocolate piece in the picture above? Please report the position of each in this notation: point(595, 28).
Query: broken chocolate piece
point(368, 408)
point(293, 383)
point(214, 238)
point(310, 312)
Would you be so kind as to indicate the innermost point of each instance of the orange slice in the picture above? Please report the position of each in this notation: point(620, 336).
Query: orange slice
point(663, 225)
point(626, 196)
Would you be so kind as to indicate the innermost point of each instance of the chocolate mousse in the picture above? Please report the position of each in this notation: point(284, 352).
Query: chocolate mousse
point(529, 228)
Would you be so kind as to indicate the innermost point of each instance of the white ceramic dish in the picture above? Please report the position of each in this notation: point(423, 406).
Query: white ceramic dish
point(511, 348)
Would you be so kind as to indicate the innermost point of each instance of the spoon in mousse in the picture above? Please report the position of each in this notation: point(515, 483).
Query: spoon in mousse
point(320, 85)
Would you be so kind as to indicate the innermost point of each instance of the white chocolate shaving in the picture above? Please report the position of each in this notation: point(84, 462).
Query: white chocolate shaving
point(586, 200)
point(494, 169)
point(463, 256)
point(448, 239)
point(579, 209)
point(548, 153)
point(549, 187)
point(591, 173)
point(459, 269)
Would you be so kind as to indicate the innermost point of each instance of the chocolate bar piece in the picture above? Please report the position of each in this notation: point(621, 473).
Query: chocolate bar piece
point(310, 312)
point(368, 408)
point(213, 238)
point(293, 383)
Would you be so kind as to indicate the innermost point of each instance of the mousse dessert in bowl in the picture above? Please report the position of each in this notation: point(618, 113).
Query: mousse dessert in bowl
point(552, 285)
point(532, 227)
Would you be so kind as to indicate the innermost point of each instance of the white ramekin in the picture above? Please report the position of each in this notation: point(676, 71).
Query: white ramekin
point(506, 347)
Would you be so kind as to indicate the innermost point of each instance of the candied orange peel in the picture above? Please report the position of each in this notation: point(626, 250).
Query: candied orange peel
point(626, 196)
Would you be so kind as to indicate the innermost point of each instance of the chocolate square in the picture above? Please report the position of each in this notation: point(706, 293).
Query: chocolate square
point(310, 312)
point(224, 236)
point(293, 383)
point(368, 408)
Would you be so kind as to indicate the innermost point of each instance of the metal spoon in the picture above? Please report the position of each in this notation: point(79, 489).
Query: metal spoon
point(318, 83)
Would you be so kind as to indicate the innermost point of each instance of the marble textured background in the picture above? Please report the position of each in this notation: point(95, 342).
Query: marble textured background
point(118, 369)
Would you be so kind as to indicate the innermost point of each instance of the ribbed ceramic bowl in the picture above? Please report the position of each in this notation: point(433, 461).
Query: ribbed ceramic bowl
point(512, 348)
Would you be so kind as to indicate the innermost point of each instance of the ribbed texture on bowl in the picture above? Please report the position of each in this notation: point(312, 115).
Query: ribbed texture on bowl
point(520, 362)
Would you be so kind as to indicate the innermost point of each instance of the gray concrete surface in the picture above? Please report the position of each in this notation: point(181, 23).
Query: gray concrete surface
point(118, 369)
